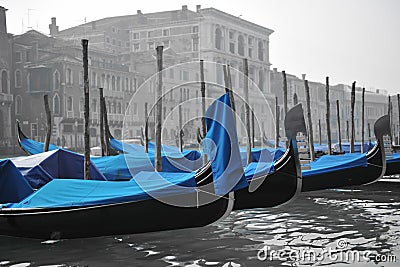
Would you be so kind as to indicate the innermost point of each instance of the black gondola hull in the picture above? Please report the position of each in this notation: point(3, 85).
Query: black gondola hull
point(115, 219)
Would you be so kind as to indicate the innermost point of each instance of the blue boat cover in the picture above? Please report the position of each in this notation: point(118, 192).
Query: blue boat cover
point(41, 168)
point(71, 192)
point(265, 154)
point(221, 146)
point(357, 146)
point(220, 123)
point(257, 169)
point(393, 158)
point(13, 186)
point(34, 147)
point(125, 166)
point(330, 163)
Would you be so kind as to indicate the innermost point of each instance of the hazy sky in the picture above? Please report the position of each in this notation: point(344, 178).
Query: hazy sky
point(348, 40)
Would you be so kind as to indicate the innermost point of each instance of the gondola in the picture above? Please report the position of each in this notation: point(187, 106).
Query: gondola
point(393, 163)
point(284, 182)
point(338, 171)
point(64, 208)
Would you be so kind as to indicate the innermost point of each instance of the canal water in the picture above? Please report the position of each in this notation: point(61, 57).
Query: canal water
point(334, 228)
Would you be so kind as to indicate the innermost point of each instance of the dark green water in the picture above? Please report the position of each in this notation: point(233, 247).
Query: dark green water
point(365, 223)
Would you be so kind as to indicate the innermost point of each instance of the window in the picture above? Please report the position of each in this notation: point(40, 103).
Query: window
point(56, 80)
point(81, 104)
point(126, 84)
point(69, 79)
point(195, 29)
point(135, 36)
point(108, 39)
point(241, 45)
point(260, 51)
point(171, 113)
point(231, 35)
point(150, 34)
point(94, 79)
point(18, 57)
point(218, 39)
point(4, 82)
point(119, 108)
point(171, 73)
point(113, 83)
point(127, 44)
point(81, 78)
point(118, 83)
point(184, 75)
point(18, 105)
point(166, 44)
point(232, 47)
point(165, 32)
point(136, 47)
point(151, 45)
point(113, 29)
point(250, 40)
point(119, 43)
point(18, 78)
point(56, 104)
point(250, 52)
point(69, 103)
point(195, 42)
point(261, 80)
point(28, 56)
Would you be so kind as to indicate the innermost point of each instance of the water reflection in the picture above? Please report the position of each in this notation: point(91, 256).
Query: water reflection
point(363, 221)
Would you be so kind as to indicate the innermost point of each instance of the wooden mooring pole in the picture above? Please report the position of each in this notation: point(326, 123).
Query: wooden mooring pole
point(319, 130)
point(285, 100)
point(146, 129)
point(362, 119)
point(48, 125)
point(338, 125)
point(353, 100)
point(277, 115)
point(102, 141)
point(158, 101)
point(247, 109)
point(203, 106)
point(86, 107)
point(310, 127)
point(328, 116)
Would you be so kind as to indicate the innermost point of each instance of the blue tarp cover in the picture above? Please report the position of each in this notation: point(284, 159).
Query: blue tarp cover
point(71, 192)
point(395, 157)
point(329, 163)
point(257, 169)
point(265, 154)
point(221, 146)
point(13, 186)
point(41, 168)
point(125, 166)
point(34, 147)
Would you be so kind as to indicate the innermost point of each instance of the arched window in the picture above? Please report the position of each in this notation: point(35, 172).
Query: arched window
point(119, 109)
point(261, 80)
point(126, 84)
point(118, 83)
point(260, 51)
point(94, 78)
point(241, 45)
point(69, 78)
point(218, 39)
point(113, 83)
point(4, 82)
point(56, 80)
point(69, 103)
point(108, 82)
point(56, 104)
point(18, 105)
point(18, 78)
point(113, 105)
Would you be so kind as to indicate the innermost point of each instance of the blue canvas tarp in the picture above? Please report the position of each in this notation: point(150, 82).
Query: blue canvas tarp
point(330, 163)
point(257, 169)
point(221, 146)
point(264, 154)
point(67, 193)
point(13, 186)
point(34, 147)
point(392, 158)
point(125, 166)
point(41, 168)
